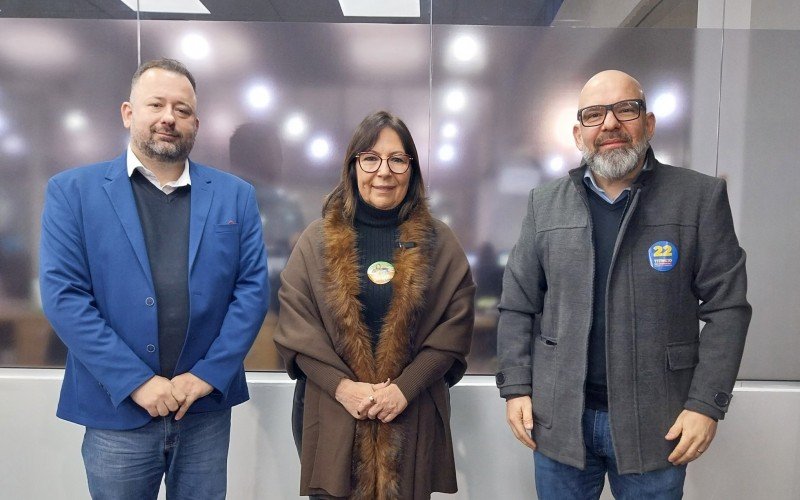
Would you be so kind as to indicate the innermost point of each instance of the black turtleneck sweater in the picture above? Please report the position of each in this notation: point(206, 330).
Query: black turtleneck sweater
point(376, 240)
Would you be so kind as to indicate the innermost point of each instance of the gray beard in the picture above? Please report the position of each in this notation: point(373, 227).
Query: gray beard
point(614, 165)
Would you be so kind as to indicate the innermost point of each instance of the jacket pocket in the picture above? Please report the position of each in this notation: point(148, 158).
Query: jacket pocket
point(544, 380)
point(682, 357)
point(226, 228)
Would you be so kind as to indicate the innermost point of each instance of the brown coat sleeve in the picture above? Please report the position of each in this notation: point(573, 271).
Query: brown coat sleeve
point(443, 351)
point(301, 337)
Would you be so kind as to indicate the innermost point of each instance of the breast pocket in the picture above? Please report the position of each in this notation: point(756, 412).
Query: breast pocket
point(224, 246)
point(226, 229)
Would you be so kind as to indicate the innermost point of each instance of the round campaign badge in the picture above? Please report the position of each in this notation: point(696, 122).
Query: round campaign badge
point(663, 255)
point(380, 272)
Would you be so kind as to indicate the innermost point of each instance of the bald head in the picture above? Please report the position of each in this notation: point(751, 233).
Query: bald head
point(608, 87)
point(613, 130)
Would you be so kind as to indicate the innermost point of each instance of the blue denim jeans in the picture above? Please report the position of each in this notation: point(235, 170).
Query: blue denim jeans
point(557, 481)
point(129, 464)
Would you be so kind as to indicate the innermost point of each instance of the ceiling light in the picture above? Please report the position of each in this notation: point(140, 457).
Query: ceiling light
point(295, 126)
point(464, 48)
point(556, 164)
point(319, 148)
point(447, 152)
point(384, 8)
point(14, 145)
point(75, 121)
point(455, 100)
point(449, 130)
point(664, 105)
point(259, 97)
point(565, 120)
point(195, 46)
point(168, 6)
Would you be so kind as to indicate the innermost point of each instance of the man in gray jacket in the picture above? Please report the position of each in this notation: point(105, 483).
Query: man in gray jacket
point(600, 350)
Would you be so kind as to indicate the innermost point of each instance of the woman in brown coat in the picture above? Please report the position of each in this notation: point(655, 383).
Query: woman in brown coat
point(376, 320)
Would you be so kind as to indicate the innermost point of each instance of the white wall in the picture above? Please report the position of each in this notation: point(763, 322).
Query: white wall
point(755, 454)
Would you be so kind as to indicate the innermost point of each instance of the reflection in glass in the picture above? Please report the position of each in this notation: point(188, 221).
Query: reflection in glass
point(512, 129)
point(277, 102)
point(61, 85)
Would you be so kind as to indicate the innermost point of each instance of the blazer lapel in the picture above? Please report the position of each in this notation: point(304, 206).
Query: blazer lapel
point(120, 193)
point(202, 193)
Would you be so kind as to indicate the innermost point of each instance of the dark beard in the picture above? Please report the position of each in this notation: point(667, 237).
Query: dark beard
point(167, 152)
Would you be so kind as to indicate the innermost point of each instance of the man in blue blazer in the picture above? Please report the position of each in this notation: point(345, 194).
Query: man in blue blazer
point(153, 272)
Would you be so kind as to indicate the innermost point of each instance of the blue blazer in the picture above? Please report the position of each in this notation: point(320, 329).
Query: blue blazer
point(98, 293)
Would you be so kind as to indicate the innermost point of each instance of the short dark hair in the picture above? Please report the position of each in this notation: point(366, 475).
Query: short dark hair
point(166, 64)
point(364, 138)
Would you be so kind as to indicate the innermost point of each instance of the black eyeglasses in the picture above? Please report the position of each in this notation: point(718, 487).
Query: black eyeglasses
point(624, 111)
point(370, 162)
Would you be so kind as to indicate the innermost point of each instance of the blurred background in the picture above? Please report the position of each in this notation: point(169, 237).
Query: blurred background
point(488, 89)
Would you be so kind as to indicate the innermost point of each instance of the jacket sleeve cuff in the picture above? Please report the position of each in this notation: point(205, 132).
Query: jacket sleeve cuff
point(322, 374)
point(512, 391)
point(704, 408)
point(517, 375)
point(427, 367)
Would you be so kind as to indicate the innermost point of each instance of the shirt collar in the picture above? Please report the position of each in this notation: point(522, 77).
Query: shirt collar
point(135, 164)
point(588, 179)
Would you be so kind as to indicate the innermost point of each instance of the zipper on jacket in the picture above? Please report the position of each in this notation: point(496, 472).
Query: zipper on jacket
point(583, 196)
point(630, 207)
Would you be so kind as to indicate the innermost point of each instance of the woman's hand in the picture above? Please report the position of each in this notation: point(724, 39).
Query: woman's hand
point(387, 403)
point(351, 395)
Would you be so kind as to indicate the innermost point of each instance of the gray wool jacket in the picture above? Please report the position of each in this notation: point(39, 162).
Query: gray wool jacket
point(658, 359)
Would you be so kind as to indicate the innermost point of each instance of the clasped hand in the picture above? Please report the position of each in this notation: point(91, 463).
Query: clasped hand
point(384, 401)
point(160, 395)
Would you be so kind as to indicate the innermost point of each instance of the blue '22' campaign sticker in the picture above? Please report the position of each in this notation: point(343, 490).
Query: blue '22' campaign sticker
point(663, 255)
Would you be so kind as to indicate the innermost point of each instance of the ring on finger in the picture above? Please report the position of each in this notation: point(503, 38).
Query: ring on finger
point(371, 398)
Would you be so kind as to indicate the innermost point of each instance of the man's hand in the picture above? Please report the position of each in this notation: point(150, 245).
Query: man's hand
point(351, 394)
point(188, 388)
point(156, 397)
point(519, 414)
point(696, 431)
point(387, 403)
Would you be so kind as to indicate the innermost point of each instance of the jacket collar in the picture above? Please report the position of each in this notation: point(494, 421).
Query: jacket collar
point(120, 194)
point(644, 178)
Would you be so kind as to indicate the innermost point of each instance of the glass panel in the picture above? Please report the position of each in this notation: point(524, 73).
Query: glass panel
point(61, 85)
point(278, 103)
point(758, 154)
point(504, 103)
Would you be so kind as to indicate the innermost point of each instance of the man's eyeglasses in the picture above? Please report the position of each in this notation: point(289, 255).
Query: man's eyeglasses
point(624, 111)
point(370, 162)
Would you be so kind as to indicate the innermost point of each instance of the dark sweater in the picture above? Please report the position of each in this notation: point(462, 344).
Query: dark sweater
point(606, 218)
point(165, 224)
point(376, 240)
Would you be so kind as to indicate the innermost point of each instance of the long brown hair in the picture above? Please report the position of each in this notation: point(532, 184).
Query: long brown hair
point(364, 138)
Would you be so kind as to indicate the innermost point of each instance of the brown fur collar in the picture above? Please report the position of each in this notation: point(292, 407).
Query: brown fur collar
point(378, 447)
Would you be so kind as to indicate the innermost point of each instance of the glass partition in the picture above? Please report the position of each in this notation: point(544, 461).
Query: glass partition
point(489, 93)
point(61, 86)
point(278, 103)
